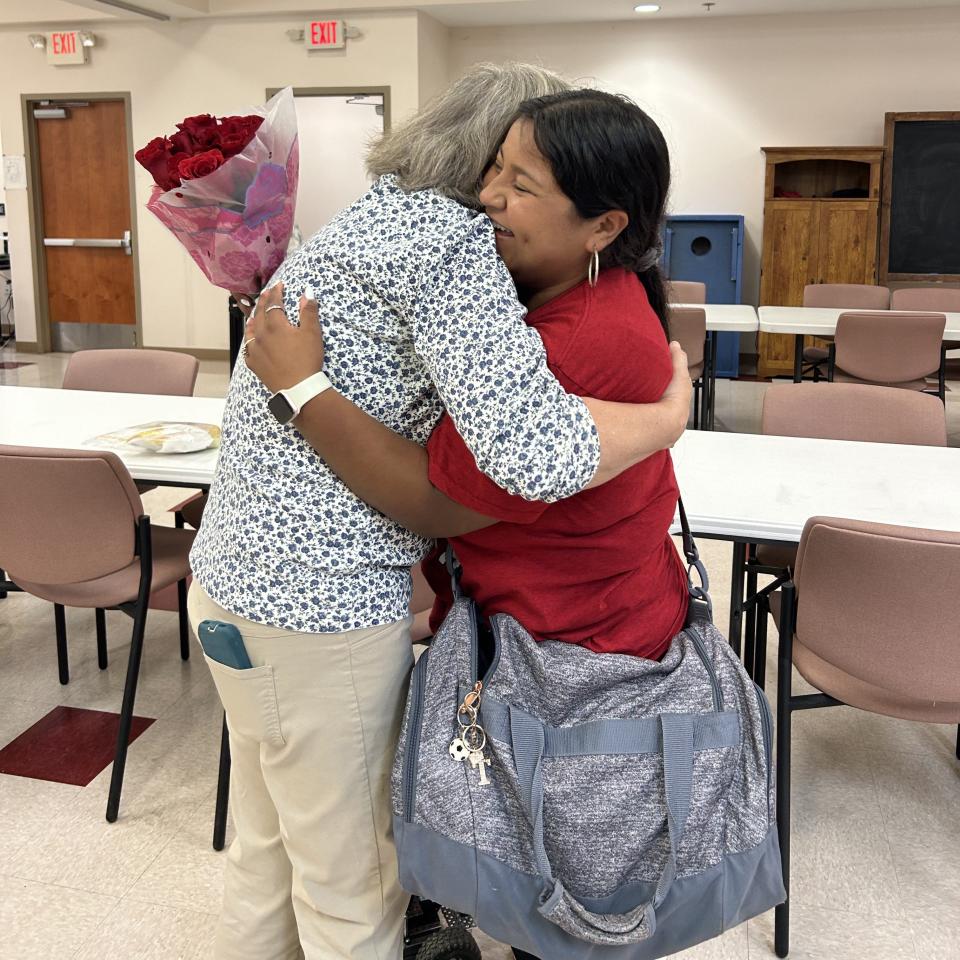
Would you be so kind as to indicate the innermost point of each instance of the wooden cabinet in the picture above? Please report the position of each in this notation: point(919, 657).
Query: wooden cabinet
point(820, 222)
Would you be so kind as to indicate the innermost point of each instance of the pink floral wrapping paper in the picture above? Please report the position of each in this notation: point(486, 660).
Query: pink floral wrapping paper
point(237, 221)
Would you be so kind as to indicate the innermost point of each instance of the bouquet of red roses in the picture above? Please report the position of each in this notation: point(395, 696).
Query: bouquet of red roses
point(226, 188)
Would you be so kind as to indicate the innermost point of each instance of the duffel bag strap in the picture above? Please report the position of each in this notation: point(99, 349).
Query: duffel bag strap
point(557, 904)
point(700, 606)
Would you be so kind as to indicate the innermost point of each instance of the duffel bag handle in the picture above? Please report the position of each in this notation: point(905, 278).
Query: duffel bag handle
point(557, 904)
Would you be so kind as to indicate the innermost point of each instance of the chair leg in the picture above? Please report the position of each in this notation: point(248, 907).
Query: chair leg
point(958, 742)
point(750, 645)
point(63, 664)
point(126, 709)
point(101, 638)
point(736, 595)
point(223, 789)
point(3, 578)
point(696, 405)
point(781, 936)
point(760, 649)
point(184, 621)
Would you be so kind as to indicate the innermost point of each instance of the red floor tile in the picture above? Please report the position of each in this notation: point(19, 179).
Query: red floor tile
point(68, 745)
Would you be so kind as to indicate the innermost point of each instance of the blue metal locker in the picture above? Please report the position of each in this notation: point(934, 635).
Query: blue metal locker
point(709, 248)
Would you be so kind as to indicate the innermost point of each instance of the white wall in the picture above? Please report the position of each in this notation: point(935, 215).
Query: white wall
point(722, 88)
point(174, 70)
point(433, 56)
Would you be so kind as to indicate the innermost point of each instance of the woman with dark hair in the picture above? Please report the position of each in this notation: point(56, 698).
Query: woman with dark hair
point(576, 196)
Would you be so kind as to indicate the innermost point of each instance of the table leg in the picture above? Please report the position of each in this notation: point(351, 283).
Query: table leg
point(714, 337)
point(798, 358)
point(736, 595)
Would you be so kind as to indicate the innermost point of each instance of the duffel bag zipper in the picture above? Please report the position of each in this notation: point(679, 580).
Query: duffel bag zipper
point(412, 749)
point(708, 664)
point(767, 723)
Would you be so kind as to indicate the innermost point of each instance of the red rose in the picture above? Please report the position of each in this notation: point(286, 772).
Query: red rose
point(202, 130)
point(154, 158)
point(182, 142)
point(173, 170)
point(200, 164)
point(236, 133)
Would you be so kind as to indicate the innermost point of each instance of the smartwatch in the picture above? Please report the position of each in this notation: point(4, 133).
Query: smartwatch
point(286, 404)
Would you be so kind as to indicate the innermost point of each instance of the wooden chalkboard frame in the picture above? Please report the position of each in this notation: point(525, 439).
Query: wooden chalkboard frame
point(886, 198)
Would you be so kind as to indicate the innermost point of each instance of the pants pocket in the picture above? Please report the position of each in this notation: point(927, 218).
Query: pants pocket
point(249, 698)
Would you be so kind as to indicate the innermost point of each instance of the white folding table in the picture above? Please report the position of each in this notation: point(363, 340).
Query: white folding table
point(43, 417)
point(750, 488)
point(822, 322)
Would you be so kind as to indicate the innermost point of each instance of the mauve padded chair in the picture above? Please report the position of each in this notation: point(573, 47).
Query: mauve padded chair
point(831, 411)
point(75, 533)
point(844, 296)
point(132, 371)
point(688, 326)
point(686, 291)
point(929, 300)
point(867, 621)
point(889, 349)
point(161, 372)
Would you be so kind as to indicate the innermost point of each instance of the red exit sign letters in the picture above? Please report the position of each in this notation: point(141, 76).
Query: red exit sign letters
point(325, 35)
point(65, 47)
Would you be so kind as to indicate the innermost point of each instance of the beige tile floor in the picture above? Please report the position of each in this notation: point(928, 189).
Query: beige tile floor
point(875, 805)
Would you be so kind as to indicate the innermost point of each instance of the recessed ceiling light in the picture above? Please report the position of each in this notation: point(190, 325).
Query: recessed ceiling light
point(646, 8)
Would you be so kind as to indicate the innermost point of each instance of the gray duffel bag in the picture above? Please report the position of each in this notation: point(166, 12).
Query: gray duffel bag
point(584, 805)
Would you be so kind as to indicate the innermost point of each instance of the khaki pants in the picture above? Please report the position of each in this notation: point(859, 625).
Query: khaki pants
point(313, 730)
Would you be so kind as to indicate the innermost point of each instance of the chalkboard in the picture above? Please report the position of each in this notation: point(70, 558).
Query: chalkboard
point(921, 229)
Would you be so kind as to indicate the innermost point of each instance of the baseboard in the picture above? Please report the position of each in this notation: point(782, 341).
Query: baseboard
point(201, 353)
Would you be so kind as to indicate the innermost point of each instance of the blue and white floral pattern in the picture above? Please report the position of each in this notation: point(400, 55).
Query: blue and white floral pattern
point(419, 314)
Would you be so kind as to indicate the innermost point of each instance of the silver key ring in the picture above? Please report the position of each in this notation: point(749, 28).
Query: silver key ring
point(469, 712)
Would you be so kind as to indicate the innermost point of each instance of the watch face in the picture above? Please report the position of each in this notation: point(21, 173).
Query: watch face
point(280, 407)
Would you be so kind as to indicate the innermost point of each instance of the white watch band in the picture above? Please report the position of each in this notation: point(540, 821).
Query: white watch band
point(303, 392)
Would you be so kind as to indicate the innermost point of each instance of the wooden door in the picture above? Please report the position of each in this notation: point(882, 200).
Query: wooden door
point(83, 169)
point(848, 241)
point(791, 238)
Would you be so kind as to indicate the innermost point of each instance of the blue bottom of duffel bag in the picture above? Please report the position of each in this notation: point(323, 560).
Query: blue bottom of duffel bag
point(504, 901)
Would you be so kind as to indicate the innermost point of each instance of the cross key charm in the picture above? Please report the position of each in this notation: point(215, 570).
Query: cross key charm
point(480, 762)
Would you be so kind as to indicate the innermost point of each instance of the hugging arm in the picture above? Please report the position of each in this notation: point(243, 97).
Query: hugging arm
point(390, 472)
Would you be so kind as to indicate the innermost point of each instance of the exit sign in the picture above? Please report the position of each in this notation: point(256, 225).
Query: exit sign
point(325, 35)
point(65, 48)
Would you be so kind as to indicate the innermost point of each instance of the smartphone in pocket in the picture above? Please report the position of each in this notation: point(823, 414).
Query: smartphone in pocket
point(222, 642)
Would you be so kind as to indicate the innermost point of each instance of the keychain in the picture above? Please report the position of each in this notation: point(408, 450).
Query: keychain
point(472, 740)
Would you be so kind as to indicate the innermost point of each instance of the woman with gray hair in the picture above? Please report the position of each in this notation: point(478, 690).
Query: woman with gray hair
point(419, 315)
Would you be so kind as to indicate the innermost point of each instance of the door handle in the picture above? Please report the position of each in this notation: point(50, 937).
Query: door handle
point(124, 243)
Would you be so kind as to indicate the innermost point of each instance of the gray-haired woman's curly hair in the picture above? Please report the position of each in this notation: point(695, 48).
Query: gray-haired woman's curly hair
point(448, 144)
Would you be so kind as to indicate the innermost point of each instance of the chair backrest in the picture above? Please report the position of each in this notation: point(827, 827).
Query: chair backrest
point(688, 326)
point(132, 371)
point(934, 299)
point(67, 515)
point(853, 411)
point(686, 291)
point(886, 347)
point(876, 602)
point(846, 296)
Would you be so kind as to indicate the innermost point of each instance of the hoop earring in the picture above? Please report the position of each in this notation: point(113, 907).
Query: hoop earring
point(593, 268)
